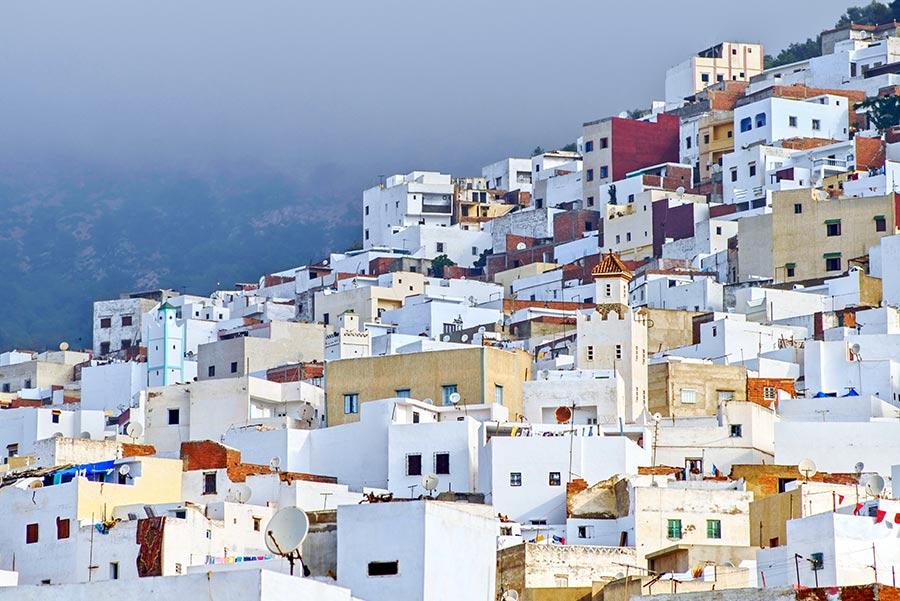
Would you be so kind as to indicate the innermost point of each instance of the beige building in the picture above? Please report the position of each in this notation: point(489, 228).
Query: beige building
point(715, 139)
point(726, 61)
point(367, 297)
point(769, 515)
point(815, 236)
point(261, 347)
point(507, 277)
point(478, 374)
point(669, 328)
point(51, 368)
point(689, 388)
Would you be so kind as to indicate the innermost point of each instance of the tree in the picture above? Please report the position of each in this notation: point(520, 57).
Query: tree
point(798, 51)
point(874, 13)
point(537, 150)
point(883, 111)
point(571, 147)
point(439, 263)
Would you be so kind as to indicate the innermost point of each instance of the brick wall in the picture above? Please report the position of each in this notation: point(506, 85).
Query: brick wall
point(756, 387)
point(639, 144)
point(571, 225)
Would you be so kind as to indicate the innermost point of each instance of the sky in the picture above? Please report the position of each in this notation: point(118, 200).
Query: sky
point(349, 90)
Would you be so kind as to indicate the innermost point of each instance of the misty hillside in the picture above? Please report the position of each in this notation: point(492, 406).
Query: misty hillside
point(73, 236)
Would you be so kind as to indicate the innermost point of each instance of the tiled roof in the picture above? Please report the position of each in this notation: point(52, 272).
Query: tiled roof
point(611, 264)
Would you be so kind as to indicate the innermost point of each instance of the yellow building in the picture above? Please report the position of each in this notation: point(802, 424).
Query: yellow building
point(478, 374)
point(691, 388)
point(367, 296)
point(815, 236)
point(507, 277)
point(715, 138)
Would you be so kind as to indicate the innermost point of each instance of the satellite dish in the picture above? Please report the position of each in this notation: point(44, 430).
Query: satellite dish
point(429, 401)
point(36, 484)
point(657, 417)
point(482, 329)
point(86, 435)
point(57, 435)
point(545, 374)
point(241, 493)
point(285, 533)
point(679, 191)
point(445, 338)
point(124, 469)
point(807, 468)
point(455, 398)
point(858, 468)
point(510, 595)
point(464, 337)
point(563, 415)
point(429, 482)
point(63, 346)
point(854, 348)
point(134, 430)
point(875, 485)
point(274, 464)
point(521, 246)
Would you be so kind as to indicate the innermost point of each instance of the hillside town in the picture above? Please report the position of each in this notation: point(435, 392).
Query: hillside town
point(663, 361)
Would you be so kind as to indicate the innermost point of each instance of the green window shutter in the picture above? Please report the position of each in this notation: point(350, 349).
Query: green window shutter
point(879, 218)
point(832, 221)
point(790, 264)
point(674, 529)
point(713, 529)
point(831, 256)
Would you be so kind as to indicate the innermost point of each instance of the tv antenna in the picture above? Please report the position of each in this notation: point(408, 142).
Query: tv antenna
point(285, 532)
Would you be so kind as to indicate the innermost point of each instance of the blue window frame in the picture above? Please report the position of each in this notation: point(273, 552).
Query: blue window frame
point(746, 124)
point(351, 403)
point(761, 120)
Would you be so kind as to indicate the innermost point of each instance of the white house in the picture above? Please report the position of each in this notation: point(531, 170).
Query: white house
point(417, 198)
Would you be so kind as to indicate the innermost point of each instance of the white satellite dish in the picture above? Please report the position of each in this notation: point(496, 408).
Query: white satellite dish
point(63, 346)
point(445, 338)
point(510, 595)
point(455, 398)
point(429, 482)
point(679, 191)
point(482, 329)
point(858, 468)
point(124, 469)
point(241, 493)
point(875, 485)
point(545, 374)
point(657, 417)
point(464, 337)
point(807, 468)
point(854, 348)
point(134, 430)
point(86, 435)
point(429, 401)
point(521, 246)
point(285, 532)
point(274, 464)
point(58, 435)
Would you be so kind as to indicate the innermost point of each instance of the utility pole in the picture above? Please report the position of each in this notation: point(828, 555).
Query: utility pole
point(874, 562)
point(797, 567)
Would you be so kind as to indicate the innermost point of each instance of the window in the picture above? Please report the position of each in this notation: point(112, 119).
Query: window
point(790, 269)
point(746, 124)
point(326, 318)
point(104, 348)
point(106, 322)
point(515, 478)
point(367, 210)
point(817, 560)
point(414, 465)
point(590, 201)
point(751, 169)
point(209, 483)
point(442, 463)
point(618, 351)
point(585, 532)
point(734, 174)
point(798, 208)
point(174, 417)
point(31, 534)
point(688, 396)
point(6, 387)
point(590, 175)
point(706, 138)
point(498, 394)
point(62, 528)
point(12, 450)
point(384, 568)
point(816, 124)
point(439, 246)
point(589, 146)
point(234, 367)
point(760, 120)
point(589, 353)
point(704, 77)
point(769, 393)
point(792, 121)
point(474, 251)
point(403, 393)
point(713, 529)
point(416, 417)
point(211, 371)
point(736, 431)
point(27, 383)
point(832, 263)
point(446, 391)
point(555, 479)
point(604, 143)
point(673, 529)
point(627, 236)
point(351, 403)
point(833, 227)
point(126, 343)
point(880, 224)
point(54, 417)
point(114, 570)
point(725, 396)
point(687, 142)
point(257, 524)
point(126, 320)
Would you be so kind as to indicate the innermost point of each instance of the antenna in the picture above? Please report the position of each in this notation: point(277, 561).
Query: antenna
point(285, 532)
point(134, 430)
point(807, 469)
point(875, 485)
point(430, 483)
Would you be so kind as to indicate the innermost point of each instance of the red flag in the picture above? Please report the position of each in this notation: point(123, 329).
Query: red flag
point(879, 516)
point(857, 508)
point(840, 498)
point(897, 518)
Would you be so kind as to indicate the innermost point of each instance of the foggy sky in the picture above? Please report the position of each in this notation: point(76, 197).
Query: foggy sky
point(358, 88)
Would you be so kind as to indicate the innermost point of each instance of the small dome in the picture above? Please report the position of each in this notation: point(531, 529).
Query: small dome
point(611, 265)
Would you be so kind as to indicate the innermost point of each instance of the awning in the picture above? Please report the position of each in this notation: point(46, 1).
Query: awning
point(832, 222)
point(832, 255)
